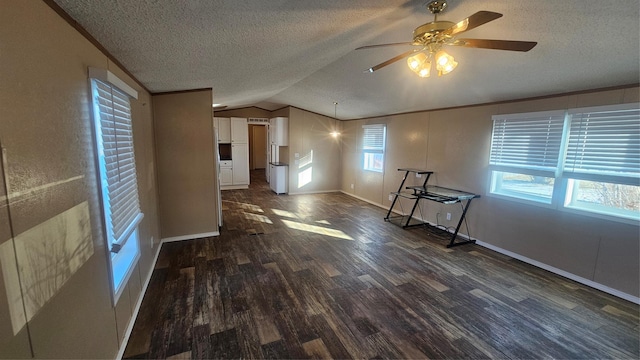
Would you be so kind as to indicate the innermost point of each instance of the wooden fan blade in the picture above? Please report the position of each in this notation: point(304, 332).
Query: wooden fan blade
point(384, 45)
point(472, 22)
point(391, 61)
point(496, 44)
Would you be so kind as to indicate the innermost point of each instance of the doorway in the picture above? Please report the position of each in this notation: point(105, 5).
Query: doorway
point(258, 147)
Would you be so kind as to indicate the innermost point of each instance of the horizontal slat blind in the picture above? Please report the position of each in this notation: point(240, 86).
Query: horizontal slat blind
point(119, 160)
point(530, 141)
point(604, 142)
point(373, 140)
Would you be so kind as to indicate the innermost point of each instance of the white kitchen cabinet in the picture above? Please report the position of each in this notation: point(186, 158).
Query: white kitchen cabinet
point(224, 129)
point(239, 131)
point(240, 156)
point(226, 176)
point(234, 174)
point(278, 178)
point(279, 131)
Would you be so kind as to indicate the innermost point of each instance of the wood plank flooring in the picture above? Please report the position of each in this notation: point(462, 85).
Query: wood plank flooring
point(323, 276)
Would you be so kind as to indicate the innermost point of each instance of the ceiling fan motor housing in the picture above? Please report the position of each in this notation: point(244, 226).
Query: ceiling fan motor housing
point(427, 33)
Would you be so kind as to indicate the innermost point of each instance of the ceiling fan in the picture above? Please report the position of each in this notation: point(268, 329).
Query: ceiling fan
point(429, 38)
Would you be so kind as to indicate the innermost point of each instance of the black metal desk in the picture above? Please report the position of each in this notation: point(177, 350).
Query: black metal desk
point(446, 196)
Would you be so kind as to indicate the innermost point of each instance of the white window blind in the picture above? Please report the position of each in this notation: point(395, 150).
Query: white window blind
point(373, 141)
point(527, 141)
point(117, 163)
point(604, 141)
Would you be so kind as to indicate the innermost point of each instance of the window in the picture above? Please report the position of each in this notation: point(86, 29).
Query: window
point(586, 159)
point(373, 145)
point(602, 164)
point(117, 171)
point(524, 154)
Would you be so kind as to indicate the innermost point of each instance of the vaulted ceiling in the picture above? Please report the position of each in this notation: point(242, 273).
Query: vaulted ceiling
point(302, 52)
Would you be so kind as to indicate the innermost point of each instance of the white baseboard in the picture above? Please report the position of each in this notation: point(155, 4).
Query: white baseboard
point(566, 274)
point(234, 187)
point(365, 200)
point(563, 273)
point(190, 237)
point(313, 192)
point(136, 309)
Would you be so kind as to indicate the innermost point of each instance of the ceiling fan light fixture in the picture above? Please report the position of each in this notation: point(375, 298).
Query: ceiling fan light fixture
point(420, 64)
point(445, 63)
point(425, 71)
point(415, 62)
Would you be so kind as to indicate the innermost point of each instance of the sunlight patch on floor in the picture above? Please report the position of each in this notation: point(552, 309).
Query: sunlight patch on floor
point(317, 230)
point(245, 206)
point(258, 217)
point(285, 213)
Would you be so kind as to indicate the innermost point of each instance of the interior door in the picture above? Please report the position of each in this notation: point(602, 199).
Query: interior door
point(259, 147)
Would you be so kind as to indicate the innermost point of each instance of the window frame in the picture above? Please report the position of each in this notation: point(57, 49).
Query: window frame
point(370, 150)
point(564, 183)
point(123, 253)
point(535, 167)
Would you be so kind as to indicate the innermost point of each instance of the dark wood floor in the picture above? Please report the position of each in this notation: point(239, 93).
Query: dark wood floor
point(323, 276)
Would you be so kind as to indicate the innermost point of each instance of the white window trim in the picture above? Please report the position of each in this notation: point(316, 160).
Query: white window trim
point(108, 77)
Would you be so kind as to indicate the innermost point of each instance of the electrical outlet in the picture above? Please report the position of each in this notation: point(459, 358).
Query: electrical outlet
point(418, 175)
point(296, 155)
point(390, 197)
point(352, 186)
point(448, 216)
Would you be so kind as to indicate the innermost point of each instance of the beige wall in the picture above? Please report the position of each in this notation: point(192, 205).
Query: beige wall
point(318, 167)
point(46, 130)
point(187, 176)
point(245, 113)
point(284, 112)
point(455, 145)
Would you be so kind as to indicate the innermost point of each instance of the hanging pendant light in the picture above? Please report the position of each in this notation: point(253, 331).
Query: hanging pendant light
point(335, 133)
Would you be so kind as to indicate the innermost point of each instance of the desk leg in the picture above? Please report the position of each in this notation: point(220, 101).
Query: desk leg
point(455, 234)
point(395, 198)
point(413, 209)
point(415, 204)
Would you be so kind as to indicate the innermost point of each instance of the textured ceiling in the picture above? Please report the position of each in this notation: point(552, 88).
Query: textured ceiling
point(301, 52)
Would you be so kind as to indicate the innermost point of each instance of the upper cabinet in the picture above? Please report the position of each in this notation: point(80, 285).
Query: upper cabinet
point(239, 131)
point(279, 131)
point(224, 129)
